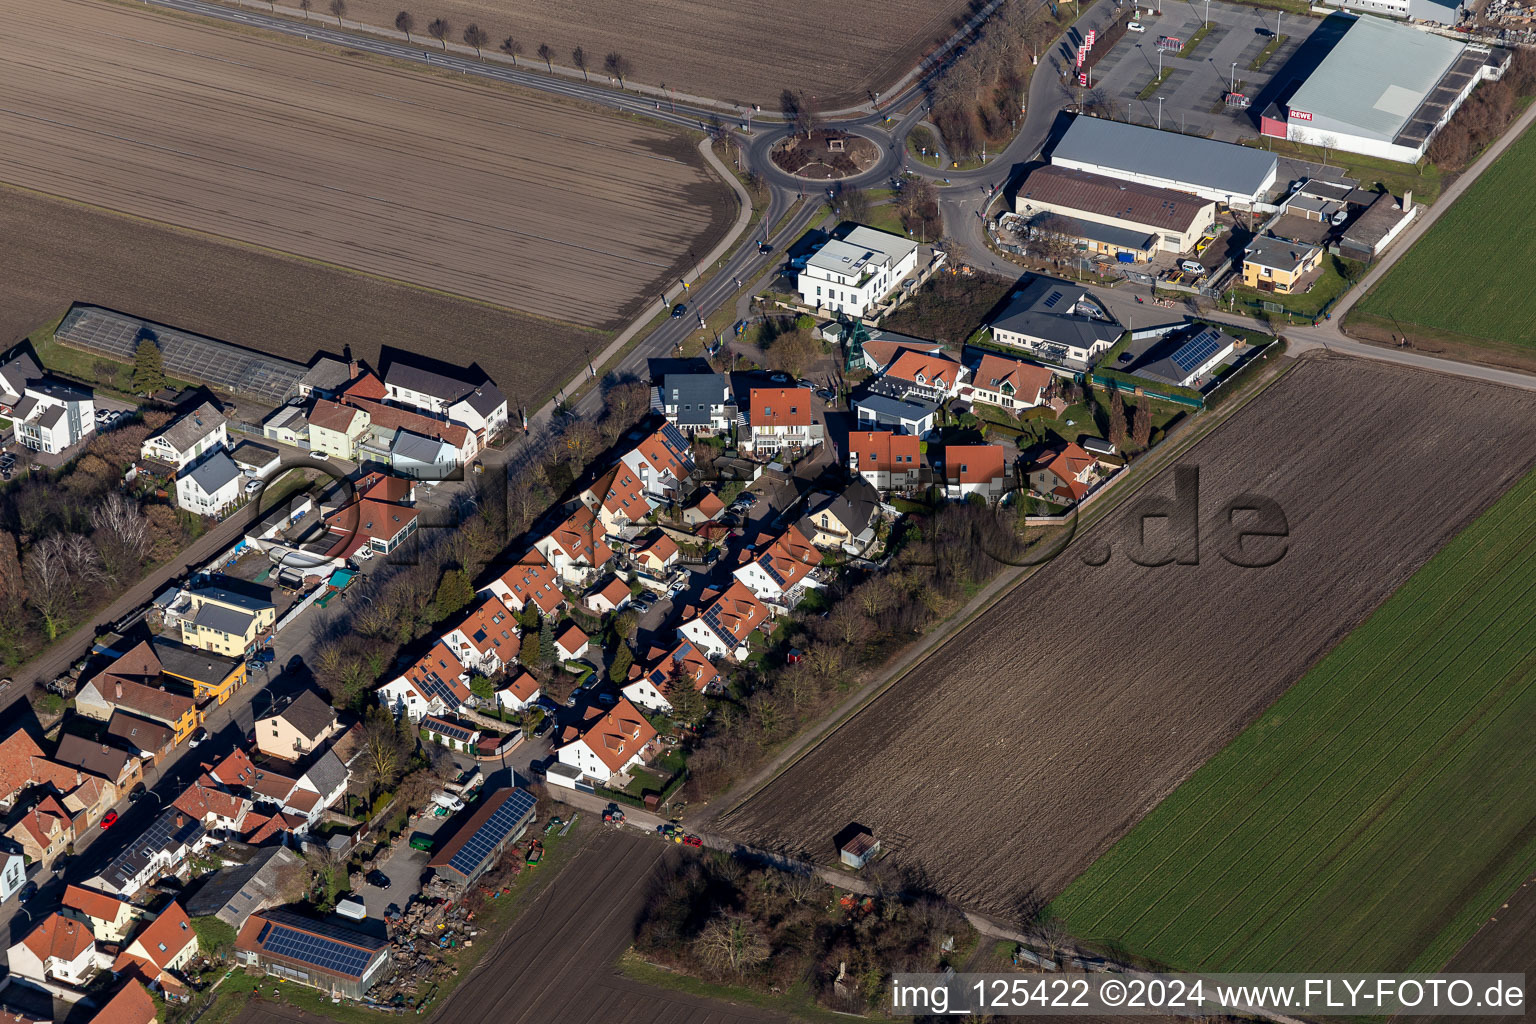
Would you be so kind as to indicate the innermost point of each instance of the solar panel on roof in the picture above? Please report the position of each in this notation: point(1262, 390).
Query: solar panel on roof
point(1052, 299)
point(1197, 350)
point(327, 954)
point(490, 835)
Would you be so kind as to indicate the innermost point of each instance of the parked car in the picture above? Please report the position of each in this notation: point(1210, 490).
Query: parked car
point(1135, 26)
point(764, 248)
point(320, 456)
point(377, 879)
point(544, 726)
point(779, 378)
point(28, 891)
point(109, 820)
point(607, 698)
point(678, 310)
point(252, 486)
point(197, 737)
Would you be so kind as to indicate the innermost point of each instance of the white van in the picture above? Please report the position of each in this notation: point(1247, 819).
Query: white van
point(1192, 266)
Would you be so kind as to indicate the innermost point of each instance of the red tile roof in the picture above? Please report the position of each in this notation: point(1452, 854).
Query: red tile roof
point(523, 687)
point(780, 407)
point(46, 819)
point(366, 387)
point(442, 664)
point(1026, 379)
point(616, 735)
point(709, 504)
point(687, 660)
point(581, 537)
point(571, 641)
point(1066, 464)
point(390, 418)
point(94, 904)
point(883, 451)
point(236, 770)
point(492, 629)
point(618, 491)
point(665, 457)
point(739, 612)
point(790, 558)
point(333, 416)
point(974, 463)
point(131, 1005)
point(203, 799)
point(615, 592)
point(663, 548)
point(59, 936)
point(880, 354)
point(172, 930)
point(928, 370)
point(533, 579)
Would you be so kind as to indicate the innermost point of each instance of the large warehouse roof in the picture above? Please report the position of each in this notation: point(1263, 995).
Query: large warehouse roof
point(1116, 148)
point(1374, 78)
point(1127, 201)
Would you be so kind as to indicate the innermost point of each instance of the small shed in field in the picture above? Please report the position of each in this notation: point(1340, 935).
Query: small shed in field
point(857, 849)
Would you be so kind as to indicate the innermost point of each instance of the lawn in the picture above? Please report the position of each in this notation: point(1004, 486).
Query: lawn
point(1377, 814)
point(102, 373)
point(1470, 273)
point(1422, 179)
point(1334, 281)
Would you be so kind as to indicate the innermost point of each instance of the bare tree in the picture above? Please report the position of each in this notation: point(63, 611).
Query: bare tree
point(619, 66)
point(305, 5)
point(546, 54)
point(733, 942)
point(46, 570)
point(404, 22)
point(581, 441)
point(12, 590)
point(124, 534)
point(338, 8)
point(1327, 142)
point(475, 37)
point(511, 47)
point(579, 61)
point(438, 28)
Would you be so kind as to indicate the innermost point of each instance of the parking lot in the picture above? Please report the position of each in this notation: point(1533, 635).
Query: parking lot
point(1192, 96)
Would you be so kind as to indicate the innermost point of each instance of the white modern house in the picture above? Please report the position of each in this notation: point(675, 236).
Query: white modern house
point(607, 743)
point(13, 874)
point(210, 486)
point(479, 407)
point(852, 274)
point(185, 440)
point(52, 416)
point(58, 950)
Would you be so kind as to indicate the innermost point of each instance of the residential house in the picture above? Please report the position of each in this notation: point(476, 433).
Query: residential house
point(325, 955)
point(412, 443)
point(781, 575)
point(212, 676)
point(1010, 384)
point(434, 685)
point(706, 509)
point(781, 420)
point(132, 1004)
point(19, 368)
point(86, 797)
point(519, 693)
point(237, 891)
point(697, 404)
point(225, 621)
point(161, 952)
point(1065, 475)
point(474, 402)
point(221, 812)
point(109, 918)
point(618, 498)
point(853, 275)
point(13, 873)
point(337, 429)
point(724, 628)
point(1059, 322)
point(659, 555)
point(609, 597)
point(158, 703)
point(287, 425)
point(59, 950)
point(976, 469)
point(211, 485)
point(51, 416)
point(303, 799)
point(454, 735)
point(148, 739)
point(1280, 266)
point(299, 729)
point(684, 664)
point(378, 526)
point(662, 461)
point(42, 831)
point(931, 377)
point(1192, 357)
point(844, 522)
point(876, 411)
point(123, 768)
point(607, 743)
point(426, 456)
point(187, 438)
point(326, 378)
point(887, 460)
point(16, 753)
point(161, 849)
point(576, 548)
point(875, 350)
point(532, 579)
point(487, 641)
point(571, 644)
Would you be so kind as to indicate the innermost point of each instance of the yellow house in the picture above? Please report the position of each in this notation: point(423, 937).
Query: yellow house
point(110, 918)
point(298, 729)
point(1276, 265)
point(226, 622)
point(212, 676)
point(337, 429)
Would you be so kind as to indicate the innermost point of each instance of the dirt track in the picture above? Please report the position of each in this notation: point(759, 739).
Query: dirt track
point(61, 253)
point(738, 51)
point(1021, 749)
point(512, 198)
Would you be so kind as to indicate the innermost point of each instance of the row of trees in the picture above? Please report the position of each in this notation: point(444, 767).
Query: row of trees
point(615, 64)
point(1485, 115)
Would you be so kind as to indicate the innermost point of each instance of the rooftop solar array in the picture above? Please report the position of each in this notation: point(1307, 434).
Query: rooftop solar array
point(1052, 299)
point(327, 954)
point(1194, 352)
point(185, 355)
point(457, 732)
point(502, 823)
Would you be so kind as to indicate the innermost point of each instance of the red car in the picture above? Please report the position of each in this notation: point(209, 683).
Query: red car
point(109, 819)
point(692, 841)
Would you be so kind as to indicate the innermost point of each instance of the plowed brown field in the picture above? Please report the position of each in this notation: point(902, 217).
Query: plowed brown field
point(1011, 758)
point(533, 204)
point(738, 51)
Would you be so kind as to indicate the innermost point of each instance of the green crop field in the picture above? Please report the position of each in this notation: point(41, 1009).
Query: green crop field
point(1469, 276)
point(1378, 813)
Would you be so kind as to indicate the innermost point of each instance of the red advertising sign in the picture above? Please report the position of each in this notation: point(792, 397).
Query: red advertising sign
point(1082, 79)
point(1301, 115)
point(1093, 34)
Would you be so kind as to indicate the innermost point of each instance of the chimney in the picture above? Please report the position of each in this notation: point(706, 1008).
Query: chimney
point(180, 819)
point(119, 689)
point(352, 370)
point(1408, 201)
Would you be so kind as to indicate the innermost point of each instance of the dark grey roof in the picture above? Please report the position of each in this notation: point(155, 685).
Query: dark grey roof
point(51, 417)
point(328, 773)
point(888, 406)
point(309, 714)
point(249, 602)
point(693, 394)
point(225, 620)
point(486, 399)
point(253, 455)
point(215, 471)
point(233, 893)
point(1112, 146)
point(193, 427)
point(190, 663)
point(855, 508)
point(97, 758)
point(169, 832)
point(417, 448)
point(1125, 238)
point(19, 369)
point(1277, 253)
point(1044, 309)
point(327, 374)
point(449, 389)
point(1373, 225)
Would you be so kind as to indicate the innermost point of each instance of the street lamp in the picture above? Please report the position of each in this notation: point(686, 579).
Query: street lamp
point(1159, 113)
point(1232, 82)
